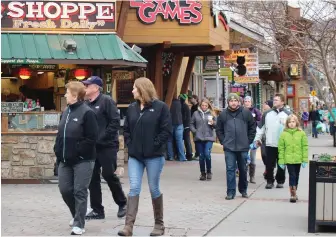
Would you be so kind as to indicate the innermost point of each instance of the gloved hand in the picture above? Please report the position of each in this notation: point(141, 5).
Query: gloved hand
point(253, 146)
point(282, 166)
point(304, 165)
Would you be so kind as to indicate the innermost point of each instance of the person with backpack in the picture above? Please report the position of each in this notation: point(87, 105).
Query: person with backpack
point(236, 129)
point(248, 104)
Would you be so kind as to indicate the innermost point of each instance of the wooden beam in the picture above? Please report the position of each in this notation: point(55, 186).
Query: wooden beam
point(192, 49)
point(204, 53)
point(173, 78)
point(187, 76)
point(125, 5)
point(158, 78)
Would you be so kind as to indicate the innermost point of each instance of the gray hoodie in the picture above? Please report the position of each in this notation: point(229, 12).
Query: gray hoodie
point(200, 128)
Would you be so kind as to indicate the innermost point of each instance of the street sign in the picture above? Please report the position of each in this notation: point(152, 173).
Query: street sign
point(313, 93)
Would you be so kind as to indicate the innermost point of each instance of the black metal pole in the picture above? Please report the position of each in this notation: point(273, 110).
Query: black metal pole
point(312, 198)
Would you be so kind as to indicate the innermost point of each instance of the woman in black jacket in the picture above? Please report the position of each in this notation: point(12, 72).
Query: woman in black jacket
point(146, 130)
point(75, 152)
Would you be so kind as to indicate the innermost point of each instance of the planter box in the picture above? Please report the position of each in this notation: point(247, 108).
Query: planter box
point(322, 194)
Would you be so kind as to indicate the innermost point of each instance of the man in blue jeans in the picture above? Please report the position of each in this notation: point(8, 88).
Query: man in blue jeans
point(177, 122)
point(236, 130)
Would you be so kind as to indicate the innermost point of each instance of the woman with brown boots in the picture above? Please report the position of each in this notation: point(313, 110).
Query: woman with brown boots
point(147, 128)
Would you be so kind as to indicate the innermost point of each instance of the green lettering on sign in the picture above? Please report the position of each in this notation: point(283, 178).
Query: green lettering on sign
point(22, 61)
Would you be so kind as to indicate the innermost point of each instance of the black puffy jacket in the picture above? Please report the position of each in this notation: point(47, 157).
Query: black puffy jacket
point(77, 135)
point(146, 131)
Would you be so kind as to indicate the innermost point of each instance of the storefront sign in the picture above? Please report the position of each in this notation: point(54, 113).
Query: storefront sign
point(52, 15)
point(122, 75)
point(22, 61)
point(210, 64)
point(38, 67)
point(218, 16)
point(250, 56)
point(185, 12)
point(11, 107)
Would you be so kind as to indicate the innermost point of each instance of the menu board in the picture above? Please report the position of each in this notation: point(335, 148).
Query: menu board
point(11, 107)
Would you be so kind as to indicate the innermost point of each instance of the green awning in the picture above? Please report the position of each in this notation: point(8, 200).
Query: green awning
point(98, 49)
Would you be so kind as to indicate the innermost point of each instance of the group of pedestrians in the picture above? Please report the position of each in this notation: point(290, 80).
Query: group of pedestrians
point(87, 145)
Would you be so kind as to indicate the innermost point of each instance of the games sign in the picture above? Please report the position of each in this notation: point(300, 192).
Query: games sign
point(58, 15)
point(187, 12)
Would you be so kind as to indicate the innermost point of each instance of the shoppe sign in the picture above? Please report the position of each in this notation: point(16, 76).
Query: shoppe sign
point(187, 12)
point(58, 15)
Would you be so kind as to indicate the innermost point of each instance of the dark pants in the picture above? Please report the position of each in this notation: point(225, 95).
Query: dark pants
point(73, 183)
point(294, 173)
point(204, 149)
point(332, 128)
point(107, 161)
point(187, 144)
point(263, 153)
point(231, 160)
point(272, 162)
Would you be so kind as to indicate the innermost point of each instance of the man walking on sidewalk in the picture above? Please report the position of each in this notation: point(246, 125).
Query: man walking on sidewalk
point(236, 130)
point(272, 124)
point(107, 147)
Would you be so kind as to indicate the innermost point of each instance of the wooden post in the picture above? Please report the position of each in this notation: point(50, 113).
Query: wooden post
point(125, 5)
point(187, 76)
point(173, 78)
point(158, 78)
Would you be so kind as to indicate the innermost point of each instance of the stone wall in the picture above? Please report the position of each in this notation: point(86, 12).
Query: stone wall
point(32, 157)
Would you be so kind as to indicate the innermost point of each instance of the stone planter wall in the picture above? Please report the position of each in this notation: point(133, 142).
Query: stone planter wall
point(32, 157)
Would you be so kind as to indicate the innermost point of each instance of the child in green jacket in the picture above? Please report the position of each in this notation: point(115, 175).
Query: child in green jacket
point(293, 152)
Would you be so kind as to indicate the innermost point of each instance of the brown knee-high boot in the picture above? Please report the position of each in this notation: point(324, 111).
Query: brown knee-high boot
point(293, 194)
point(131, 212)
point(158, 216)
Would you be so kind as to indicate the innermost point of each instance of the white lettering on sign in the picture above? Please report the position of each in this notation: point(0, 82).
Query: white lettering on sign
point(55, 14)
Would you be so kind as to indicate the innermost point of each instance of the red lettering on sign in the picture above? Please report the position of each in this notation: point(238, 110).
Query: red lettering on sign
point(186, 14)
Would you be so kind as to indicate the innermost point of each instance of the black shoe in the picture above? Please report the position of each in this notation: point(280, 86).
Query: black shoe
point(203, 176)
point(244, 195)
point(229, 197)
point(209, 176)
point(279, 186)
point(95, 216)
point(122, 211)
point(269, 186)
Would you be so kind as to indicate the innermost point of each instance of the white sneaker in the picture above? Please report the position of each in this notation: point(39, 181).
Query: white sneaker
point(71, 222)
point(77, 231)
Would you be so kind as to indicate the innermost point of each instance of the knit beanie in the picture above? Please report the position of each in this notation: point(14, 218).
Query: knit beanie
point(269, 103)
point(232, 96)
point(183, 96)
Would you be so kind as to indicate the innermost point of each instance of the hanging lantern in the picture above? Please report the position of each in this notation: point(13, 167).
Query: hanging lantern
point(81, 74)
point(25, 73)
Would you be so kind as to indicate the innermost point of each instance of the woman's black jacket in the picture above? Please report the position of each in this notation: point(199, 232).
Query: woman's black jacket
point(146, 131)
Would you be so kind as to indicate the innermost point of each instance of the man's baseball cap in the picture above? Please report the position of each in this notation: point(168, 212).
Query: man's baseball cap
point(94, 80)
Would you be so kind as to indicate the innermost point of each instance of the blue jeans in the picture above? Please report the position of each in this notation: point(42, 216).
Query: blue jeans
point(231, 160)
point(136, 169)
point(178, 138)
point(204, 149)
point(294, 173)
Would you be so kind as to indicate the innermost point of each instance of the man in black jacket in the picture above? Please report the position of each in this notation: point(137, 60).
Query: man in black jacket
point(107, 147)
point(236, 129)
point(186, 125)
point(176, 117)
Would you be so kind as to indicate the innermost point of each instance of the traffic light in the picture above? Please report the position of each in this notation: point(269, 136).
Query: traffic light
point(241, 69)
